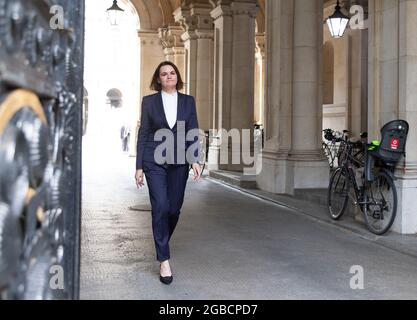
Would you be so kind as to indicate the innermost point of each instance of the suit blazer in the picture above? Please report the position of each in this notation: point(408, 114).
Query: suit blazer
point(153, 119)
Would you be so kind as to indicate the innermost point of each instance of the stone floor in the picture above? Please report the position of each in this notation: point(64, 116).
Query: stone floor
point(228, 245)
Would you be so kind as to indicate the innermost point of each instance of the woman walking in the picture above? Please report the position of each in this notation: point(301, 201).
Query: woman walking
point(170, 110)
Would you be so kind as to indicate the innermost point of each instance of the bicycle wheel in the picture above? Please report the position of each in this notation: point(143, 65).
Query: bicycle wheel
point(338, 193)
point(381, 203)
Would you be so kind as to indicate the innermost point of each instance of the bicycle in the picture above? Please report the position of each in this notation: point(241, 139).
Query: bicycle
point(376, 193)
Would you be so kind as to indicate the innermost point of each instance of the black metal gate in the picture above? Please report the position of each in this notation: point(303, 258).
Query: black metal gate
point(41, 96)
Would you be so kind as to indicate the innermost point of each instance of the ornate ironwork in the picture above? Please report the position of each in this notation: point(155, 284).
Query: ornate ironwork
point(41, 98)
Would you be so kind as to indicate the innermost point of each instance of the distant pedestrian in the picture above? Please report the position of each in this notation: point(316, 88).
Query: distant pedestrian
point(125, 136)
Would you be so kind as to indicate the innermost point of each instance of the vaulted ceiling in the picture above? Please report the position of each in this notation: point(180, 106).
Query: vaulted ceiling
point(154, 14)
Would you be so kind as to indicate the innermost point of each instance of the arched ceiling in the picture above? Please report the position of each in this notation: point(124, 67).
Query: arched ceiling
point(150, 14)
point(154, 14)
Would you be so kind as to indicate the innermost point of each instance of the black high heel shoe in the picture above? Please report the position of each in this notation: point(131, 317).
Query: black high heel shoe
point(166, 280)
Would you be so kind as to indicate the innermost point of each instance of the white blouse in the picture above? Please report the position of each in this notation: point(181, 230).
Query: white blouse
point(170, 102)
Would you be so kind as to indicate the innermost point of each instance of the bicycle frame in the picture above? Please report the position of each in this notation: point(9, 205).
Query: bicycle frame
point(352, 181)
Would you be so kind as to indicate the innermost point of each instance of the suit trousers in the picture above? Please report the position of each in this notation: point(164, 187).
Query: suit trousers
point(166, 184)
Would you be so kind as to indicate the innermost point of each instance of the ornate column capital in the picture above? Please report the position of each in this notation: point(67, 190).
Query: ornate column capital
point(173, 51)
point(197, 34)
point(244, 8)
point(149, 37)
point(171, 37)
point(194, 17)
point(221, 11)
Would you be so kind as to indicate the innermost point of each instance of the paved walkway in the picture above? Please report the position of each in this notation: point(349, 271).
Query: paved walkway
point(228, 245)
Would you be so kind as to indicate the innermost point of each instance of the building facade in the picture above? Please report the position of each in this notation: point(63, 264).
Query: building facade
point(274, 63)
point(269, 63)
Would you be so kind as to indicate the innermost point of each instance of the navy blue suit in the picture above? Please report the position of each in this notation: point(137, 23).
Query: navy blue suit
point(166, 181)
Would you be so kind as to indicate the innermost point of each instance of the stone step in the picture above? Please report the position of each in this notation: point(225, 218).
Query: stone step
point(318, 196)
point(237, 179)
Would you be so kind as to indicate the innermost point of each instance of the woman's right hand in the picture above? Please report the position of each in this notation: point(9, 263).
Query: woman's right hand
point(139, 178)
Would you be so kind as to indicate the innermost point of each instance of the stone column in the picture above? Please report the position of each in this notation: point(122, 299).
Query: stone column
point(260, 79)
point(174, 47)
point(234, 75)
point(407, 221)
point(392, 91)
point(358, 76)
point(199, 55)
point(310, 169)
point(292, 158)
point(358, 82)
point(383, 63)
point(275, 176)
point(151, 55)
point(223, 23)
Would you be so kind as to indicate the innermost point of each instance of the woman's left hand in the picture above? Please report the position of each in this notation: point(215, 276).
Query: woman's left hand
point(197, 171)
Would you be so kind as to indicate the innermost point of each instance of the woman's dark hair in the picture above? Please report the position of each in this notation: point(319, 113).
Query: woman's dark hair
point(155, 85)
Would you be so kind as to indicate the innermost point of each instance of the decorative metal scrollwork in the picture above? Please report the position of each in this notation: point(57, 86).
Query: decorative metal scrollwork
point(41, 96)
point(31, 218)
